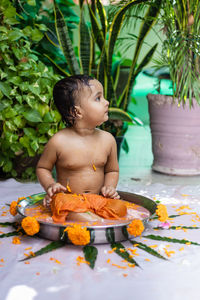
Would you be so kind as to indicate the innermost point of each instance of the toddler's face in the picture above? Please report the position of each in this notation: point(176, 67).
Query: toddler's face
point(93, 104)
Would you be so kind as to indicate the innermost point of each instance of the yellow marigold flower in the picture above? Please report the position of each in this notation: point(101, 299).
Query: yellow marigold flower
point(30, 225)
point(135, 228)
point(161, 212)
point(78, 235)
point(13, 208)
point(16, 240)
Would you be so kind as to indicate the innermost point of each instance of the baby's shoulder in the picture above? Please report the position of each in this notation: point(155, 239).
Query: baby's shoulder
point(60, 136)
point(106, 136)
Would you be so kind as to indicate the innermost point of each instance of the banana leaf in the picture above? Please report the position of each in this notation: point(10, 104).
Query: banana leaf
point(65, 41)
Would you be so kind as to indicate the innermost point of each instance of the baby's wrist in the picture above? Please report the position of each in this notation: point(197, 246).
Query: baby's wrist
point(50, 186)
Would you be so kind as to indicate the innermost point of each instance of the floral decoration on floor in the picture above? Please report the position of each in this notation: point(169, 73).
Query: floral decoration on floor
point(80, 236)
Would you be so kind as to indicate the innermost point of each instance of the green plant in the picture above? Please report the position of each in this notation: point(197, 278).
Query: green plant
point(38, 18)
point(180, 20)
point(27, 115)
point(105, 34)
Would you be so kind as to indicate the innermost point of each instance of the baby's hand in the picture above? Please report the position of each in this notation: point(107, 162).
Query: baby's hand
point(51, 190)
point(110, 192)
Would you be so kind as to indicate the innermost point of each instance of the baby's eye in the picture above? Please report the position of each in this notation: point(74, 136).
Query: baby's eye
point(98, 98)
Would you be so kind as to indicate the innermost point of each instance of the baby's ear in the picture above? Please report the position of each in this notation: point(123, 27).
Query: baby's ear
point(78, 112)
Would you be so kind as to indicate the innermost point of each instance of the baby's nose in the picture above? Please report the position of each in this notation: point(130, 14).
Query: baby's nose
point(107, 102)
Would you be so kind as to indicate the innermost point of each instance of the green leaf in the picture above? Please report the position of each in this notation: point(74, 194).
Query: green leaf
point(19, 121)
point(85, 53)
point(43, 127)
point(110, 235)
point(119, 114)
point(168, 239)
point(50, 247)
point(15, 35)
point(48, 117)
point(147, 249)
point(125, 145)
point(35, 198)
point(36, 35)
point(177, 227)
point(5, 88)
point(171, 216)
point(90, 253)
point(8, 224)
point(124, 254)
point(13, 233)
point(8, 166)
point(31, 2)
point(33, 116)
point(65, 41)
point(30, 132)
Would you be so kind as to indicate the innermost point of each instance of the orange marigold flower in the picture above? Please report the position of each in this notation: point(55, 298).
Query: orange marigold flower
point(78, 235)
point(13, 208)
point(30, 225)
point(16, 240)
point(161, 212)
point(135, 228)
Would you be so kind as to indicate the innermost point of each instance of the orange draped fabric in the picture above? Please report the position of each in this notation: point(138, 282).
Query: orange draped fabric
point(106, 208)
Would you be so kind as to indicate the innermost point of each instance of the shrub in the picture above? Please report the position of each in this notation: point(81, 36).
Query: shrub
point(28, 117)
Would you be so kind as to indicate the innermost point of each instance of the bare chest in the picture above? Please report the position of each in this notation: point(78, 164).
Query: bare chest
point(81, 157)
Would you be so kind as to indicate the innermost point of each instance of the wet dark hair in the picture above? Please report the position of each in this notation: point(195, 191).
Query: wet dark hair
point(65, 94)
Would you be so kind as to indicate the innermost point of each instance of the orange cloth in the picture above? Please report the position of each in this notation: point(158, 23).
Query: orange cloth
point(106, 208)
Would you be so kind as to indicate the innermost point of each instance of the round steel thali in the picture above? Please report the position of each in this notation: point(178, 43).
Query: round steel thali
point(102, 233)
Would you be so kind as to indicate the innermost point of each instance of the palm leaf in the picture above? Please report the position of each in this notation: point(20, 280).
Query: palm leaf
point(124, 254)
point(50, 247)
point(119, 114)
point(149, 20)
point(90, 253)
point(147, 249)
point(65, 41)
point(116, 27)
point(168, 239)
point(113, 34)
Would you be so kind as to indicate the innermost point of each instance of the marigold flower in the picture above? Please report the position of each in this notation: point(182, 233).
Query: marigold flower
point(13, 208)
point(30, 225)
point(78, 235)
point(16, 240)
point(135, 228)
point(161, 212)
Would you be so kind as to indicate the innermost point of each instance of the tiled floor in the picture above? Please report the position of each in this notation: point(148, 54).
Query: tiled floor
point(135, 166)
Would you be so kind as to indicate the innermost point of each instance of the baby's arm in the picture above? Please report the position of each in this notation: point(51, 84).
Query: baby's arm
point(44, 171)
point(111, 173)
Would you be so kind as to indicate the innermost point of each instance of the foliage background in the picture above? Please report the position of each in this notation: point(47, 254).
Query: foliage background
point(28, 117)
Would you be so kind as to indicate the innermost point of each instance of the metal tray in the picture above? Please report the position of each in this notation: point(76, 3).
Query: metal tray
point(98, 234)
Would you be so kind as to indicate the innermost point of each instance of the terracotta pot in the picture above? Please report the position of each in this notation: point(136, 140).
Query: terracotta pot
point(175, 136)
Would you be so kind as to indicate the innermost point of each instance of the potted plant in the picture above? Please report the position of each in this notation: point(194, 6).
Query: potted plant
point(103, 34)
point(175, 120)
